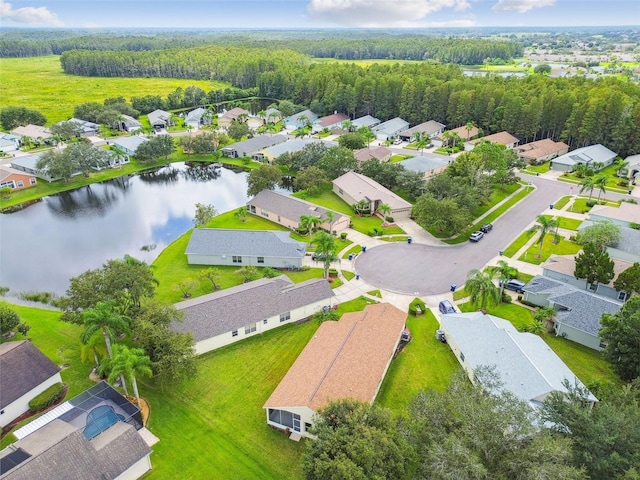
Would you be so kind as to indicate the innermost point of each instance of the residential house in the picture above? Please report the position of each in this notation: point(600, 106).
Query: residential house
point(94, 436)
point(299, 120)
point(129, 124)
point(238, 248)
point(330, 122)
point(29, 164)
point(464, 133)
point(502, 138)
point(578, 311)
point(85, 128)
point(272, 115)
point(159, 119)
point(365, 121)
point(347, 359)
point(541, 151)
point(628, 247)
point(252, 146)
point(353, 188)
point(33, 131)
point(623, 216)
point(382, 154)
point(632, 170)
point(16, 179)
point(9, 142)
point(232, 115)
point(390, 129)
point(562, 268)
point(524, 363)
point(290, 146)
point(25, 372)
point(129, 145)
point(198, 117)
point(233, 314)
point(428, 129)
point(429, 164)
point(287, 210)
point(593, 156)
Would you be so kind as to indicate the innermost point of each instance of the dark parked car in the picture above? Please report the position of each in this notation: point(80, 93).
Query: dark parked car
point(445, 306)
point(513, 284)
point(476, 236)
point(486, 228)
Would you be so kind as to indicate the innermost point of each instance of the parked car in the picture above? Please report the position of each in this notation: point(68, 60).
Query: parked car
point(513, 284)
point(397, 141)
point(445, 306)
point(486, 228)
point(476, 236)
point(317, 256)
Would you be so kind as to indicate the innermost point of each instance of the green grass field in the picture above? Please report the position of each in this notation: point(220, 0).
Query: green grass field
point(566, 223)
point(564, 247)
point(517, 244)
point(40, 84)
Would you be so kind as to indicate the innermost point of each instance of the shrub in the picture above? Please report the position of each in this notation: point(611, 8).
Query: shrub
point(47, 398)
point(591, 203)
point(520, 297)
point(635, 226)
point(375, 232)
point(302, 231)
point(623, 182)
point(506, 298)
point(417, 303)
point(270, 272)
point(389, 219)
point(333, 272)
point(343, 235)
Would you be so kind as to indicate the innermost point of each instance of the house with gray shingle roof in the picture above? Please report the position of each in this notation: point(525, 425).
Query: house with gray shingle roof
point(623, 215)
point(428, 129)
point(429, 164)
point(233, 314)
point(29, 164)
point(85, 128)
point(25, 372)
point(252, 146)
point(382, 154)
point(240, 248)
point(525, 364)
point(32, 131)
point(592, 156)
point(628, 246)
point(366, 121)
point(578, 312)
point(159, 119)
point(290, 146)
point(287, 210)
point(196, 118)
point(9, 142)
point(129, 124)
point(129, 145)
point(300, 119)
point(93, 436)
point(390, 129)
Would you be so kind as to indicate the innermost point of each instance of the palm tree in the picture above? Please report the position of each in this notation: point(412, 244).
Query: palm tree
point(480, 287)
point(308, 222)
point(103, 318)
point(347, 125)
point(384, 209)
point(421, 142)
point(325, 249)
point(601, 182)
point(620, 165)
point(93, 349)
point(367, 134)
point(129, 363)
point(587, 183)
point(468, 127)
point(329, 217)
point(544, 225)
point(505, 273)
point(581, 170)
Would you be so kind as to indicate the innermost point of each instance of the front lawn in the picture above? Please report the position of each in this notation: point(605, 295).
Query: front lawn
point(562, 202)
point(564, 247)
point(424, 363)
point(517, 244)
point(566, 223)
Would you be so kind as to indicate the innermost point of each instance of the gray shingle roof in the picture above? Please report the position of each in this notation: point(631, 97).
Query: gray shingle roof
point(256, 143)
point(583, 308)
point(22, 368)
point(294, 145)
point(425, 162)
point(27, 161)
point(289, 207)
point(237, 307)
point(158, 116)
point(527, 367)
point(366, 121)
point(62, 451)
point(195, 115)
point(360, 187)
point(427, 128)
point(130, 143)
point(586, 155)
point(262, 243)
point(390, 127)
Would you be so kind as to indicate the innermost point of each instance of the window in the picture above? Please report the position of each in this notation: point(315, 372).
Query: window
point(265, 321)
point(237, 259)
point(603, 345)
point(260, 259)
point(264, 213)
point(250, 329)
point(32, 181)
point(284, 418)
point(252, 209)
point(285, 316)
point(20, 183)
point(307, 426)
point(340, 190)
point(461, 357)
point(234, 333)
point(9, 184)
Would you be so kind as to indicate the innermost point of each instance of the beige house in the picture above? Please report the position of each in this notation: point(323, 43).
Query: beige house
point(502, 138)
point(466, 134)
point(287, 210)
point(378, 153)
point(236, 313)
point(225, 120)
point(428, 129)
point(354, 188)
point(33, 131)
point(541, 150)
point(429, 164)
point(25, 372)
point(624, 215)
point(344, 359)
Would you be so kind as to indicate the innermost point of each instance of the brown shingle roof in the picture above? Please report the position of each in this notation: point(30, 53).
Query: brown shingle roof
point(291, 208)
point(332, 119)
point(344, 359)
point(505, 138)
point(464, 133)
point(22, 368)
point(542, 148)
point(379, 153)
point(234, 113)
point(361, 187)
point(567, 264)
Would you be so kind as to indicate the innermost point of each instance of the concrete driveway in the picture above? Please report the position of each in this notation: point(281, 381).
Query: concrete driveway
point(429, 269)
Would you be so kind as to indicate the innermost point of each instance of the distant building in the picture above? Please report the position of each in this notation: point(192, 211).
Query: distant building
point(232, 115)
point(9, 142)
point(330, 121)
point(390, 129)
point(33, 131)
point(300, 119)
point(129, 124)
point(198, 117)
point(85, 128)
point(382, 154)
point(501, 138)
point(429, 164)
point(592, 156)
point(129, 145)
point(159, 119)
point(252, 146)
point(541, 150)
point(366, 121)
point(428, 130)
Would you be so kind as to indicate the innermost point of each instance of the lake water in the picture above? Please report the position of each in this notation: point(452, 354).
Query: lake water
point(46, 244)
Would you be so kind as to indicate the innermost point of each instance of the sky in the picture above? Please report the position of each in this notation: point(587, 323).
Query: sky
point(306, 14)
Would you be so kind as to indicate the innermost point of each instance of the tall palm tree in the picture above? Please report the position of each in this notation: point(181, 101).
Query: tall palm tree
point(620, 165)
point(129, 363)
point(544, 226)
point(480, 287)
point(505, 272)
point(421, 142)
point(588, 184)
point(601, 182)
point(93, 349)
point(329, 217)
point(308, 222)
point(468, 127)
point(325, 249)
point(103, 318)
point(384, 209)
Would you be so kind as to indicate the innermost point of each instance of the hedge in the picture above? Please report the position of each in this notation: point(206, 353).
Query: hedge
point(416, 302)
point(47, 398)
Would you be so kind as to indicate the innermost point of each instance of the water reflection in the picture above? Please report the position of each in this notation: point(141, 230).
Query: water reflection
point(45, 244)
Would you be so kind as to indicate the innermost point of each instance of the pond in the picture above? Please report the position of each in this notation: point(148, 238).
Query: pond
point(45, 244)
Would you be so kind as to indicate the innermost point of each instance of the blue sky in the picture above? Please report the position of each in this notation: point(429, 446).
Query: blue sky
point(260, 14)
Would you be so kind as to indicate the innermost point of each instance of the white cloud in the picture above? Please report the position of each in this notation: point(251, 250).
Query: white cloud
point(379, 13)
point(39, 16)
point(521, 6)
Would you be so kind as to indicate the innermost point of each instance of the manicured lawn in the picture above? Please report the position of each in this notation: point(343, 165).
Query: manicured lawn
point(579, 205)
point(55, 94)
point(459, 294)
point(398, 158)
point(517, 244)
point(352, 250)
point(424, 363)
point(518, 315)
point(543, 168)
point(497, 195)
point(567, 223)
point(562, 202)
point(399, 238)
point(348, 275)
point(375, 293)
point(565, 247)
point(252, 222)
